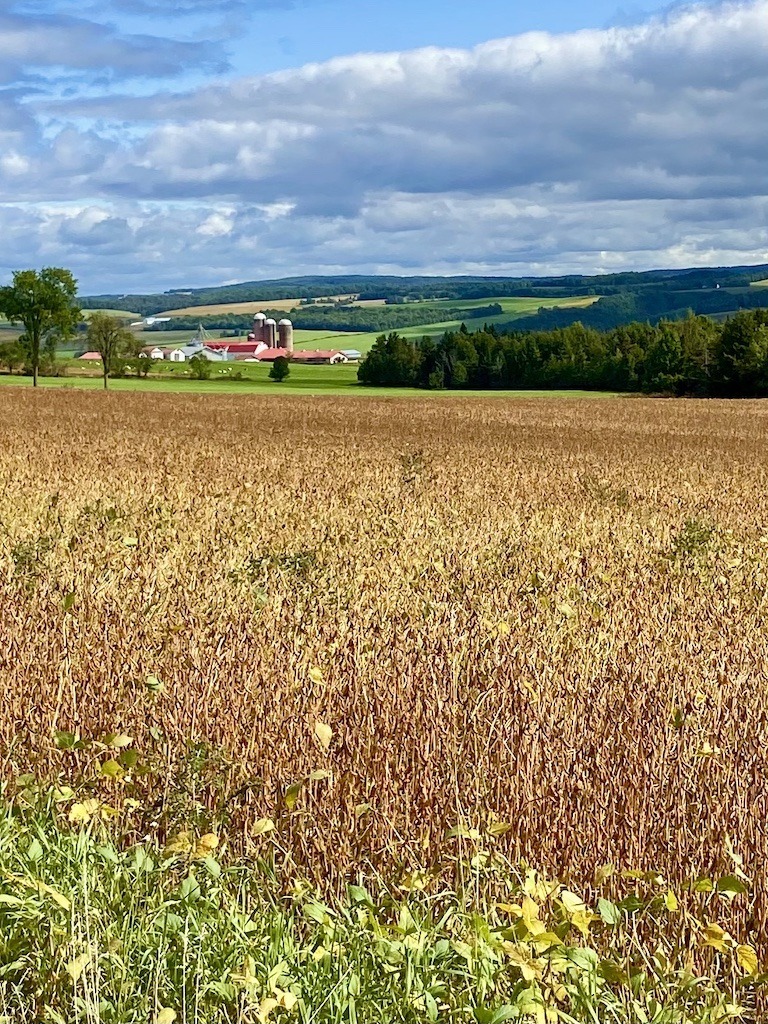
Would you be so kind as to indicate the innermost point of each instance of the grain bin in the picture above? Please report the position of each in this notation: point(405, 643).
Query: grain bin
point(270, 333)
point(285, 334)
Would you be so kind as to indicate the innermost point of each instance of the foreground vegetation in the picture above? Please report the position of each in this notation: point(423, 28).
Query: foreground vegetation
point(419, 647)
point(95, 926)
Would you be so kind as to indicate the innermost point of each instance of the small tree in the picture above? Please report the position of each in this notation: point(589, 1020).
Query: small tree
point(11, 355)
point(280, 369)
point(110, 338)
point(46, 304)
point(142, 364)
point(200, 367)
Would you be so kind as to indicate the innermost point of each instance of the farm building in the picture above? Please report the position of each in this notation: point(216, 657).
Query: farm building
point(331, 357)
point(273, 335)
point(237, 349)
point(214, 355)
point(90, 355)
point(269, 355)
point(266, 341)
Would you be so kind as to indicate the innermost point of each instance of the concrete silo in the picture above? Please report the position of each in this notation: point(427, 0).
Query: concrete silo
point(285, 334)
point(258, 327)
point(270, 333)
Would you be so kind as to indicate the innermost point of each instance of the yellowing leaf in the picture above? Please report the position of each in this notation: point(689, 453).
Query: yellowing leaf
point(670, 902)
point(582, 919)
point(80, 813)
point(499, 828)
point(714, 936)
point(76, 967)
point(737, 859)
point(707, 750)
point(324, 734)
point(539, 888)
point(178, 846)
point(566, 609)
point(316, 675)
point(120, 740)
point(262, 826)
point(204, 846)
point(573, 904)
point(604, 872)
point(41, 888)
point(165, 1016)
point(111, 769)
point(266, 1006)
point(130, 542)
point(746, 958)
point(287, 1000)
point(292, 795)
point(531, 968)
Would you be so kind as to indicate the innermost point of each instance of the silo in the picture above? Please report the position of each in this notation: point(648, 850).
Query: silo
point(285, 333)
point(258, 327)
point(270, 333)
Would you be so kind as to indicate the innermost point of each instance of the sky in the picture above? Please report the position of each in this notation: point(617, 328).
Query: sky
point(157, 144)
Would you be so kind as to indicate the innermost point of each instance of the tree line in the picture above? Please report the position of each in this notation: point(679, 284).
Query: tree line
point(650, 303)
point(339, 318)
point(693, 356)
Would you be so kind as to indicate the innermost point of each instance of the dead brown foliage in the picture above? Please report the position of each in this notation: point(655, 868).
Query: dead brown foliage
point(548, 611)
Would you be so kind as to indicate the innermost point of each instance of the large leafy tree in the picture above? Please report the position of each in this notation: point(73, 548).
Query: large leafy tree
point(742, 354)
point(46, 304)
point(111, 339)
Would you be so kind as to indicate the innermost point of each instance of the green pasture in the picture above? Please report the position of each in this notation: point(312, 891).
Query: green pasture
point(307, 380)
point(515, 305)
point(166, 338)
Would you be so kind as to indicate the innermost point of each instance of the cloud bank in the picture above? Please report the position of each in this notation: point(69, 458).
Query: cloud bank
point(636, 146)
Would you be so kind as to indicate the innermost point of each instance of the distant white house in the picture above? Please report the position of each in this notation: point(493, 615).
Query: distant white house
point(176, 355)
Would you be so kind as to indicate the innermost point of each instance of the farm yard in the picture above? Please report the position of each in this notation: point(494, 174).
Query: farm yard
point(412, 645)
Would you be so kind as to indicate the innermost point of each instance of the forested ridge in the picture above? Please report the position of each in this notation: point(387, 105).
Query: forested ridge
point(691, 356)
point(624, 297)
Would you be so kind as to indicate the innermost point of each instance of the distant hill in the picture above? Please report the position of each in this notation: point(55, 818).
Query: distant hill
point(623, 297)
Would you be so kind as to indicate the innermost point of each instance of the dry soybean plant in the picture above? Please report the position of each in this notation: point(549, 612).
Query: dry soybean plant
point(346, 627)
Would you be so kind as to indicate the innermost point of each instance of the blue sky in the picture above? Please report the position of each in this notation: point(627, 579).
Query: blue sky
point(149, 145)
point(303, 32)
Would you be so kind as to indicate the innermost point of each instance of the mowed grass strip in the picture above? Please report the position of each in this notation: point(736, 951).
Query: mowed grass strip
point(310, 380)
point(545, 614)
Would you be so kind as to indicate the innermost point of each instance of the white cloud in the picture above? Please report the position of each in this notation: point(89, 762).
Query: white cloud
point(634, 146)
